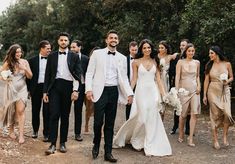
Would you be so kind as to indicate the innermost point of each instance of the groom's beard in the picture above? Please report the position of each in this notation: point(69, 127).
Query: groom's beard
point(113, 44)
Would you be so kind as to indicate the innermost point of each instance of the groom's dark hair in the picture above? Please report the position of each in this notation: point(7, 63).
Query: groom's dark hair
point(111, 32)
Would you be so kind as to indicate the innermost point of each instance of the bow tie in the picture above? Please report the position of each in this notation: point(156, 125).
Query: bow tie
point(132, 58)
point(62, 53)
point(109, 53)
point(42, 57)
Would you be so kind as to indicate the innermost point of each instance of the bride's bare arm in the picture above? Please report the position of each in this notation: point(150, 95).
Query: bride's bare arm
point(135, 73)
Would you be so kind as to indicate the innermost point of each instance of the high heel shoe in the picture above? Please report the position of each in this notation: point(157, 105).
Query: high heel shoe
point(180, 140)
point(216, 146)
point(190, 142)
point(226, 144)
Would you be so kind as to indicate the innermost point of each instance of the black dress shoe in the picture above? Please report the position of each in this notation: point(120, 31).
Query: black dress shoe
point(50, 150)
point(63, 148)
point(110, 158)
point(172, 132)
point(95, 151)
point(46, 139)
point(78, 137)
point(35, 135)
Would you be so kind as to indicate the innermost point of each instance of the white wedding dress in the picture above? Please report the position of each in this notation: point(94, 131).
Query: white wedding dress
point(144, 129)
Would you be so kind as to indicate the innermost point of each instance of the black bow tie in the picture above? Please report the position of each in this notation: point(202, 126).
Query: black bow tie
point(42, 57)
point(62, 53)
point(132, 58)
point(109, 53)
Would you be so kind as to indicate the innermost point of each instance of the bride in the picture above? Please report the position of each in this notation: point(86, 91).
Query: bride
point(144, 129)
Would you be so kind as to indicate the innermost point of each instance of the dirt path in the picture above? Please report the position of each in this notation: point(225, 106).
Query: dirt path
point(80, 152)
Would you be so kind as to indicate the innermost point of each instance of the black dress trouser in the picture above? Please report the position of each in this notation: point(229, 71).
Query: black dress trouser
point(37, 102)
point(105, 112)
point(60, 104)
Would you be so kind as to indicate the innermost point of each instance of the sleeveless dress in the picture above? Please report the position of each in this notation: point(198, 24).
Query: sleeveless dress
point(190, 102)
point(12, 91)
point(219, 99)
point(165, 73)
point(144, 129)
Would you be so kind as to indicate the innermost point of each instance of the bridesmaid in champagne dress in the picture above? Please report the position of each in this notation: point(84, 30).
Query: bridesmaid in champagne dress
point(14, 93)
point(187, 77)
point(217, 93)
point(165, 58)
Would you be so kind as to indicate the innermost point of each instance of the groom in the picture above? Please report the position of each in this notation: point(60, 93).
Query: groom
point(106, 82)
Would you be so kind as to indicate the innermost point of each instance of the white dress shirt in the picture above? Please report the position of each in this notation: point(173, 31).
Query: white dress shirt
point(42, 69)
point(111, 78)
point(63, 69)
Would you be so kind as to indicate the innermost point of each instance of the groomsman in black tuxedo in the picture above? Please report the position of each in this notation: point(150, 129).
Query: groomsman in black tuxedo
point(75, 47)
point(35, 87)
point(133, 49)
point(63, 73)
point(172, 71)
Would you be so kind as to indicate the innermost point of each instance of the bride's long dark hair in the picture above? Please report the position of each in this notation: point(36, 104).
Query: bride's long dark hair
point(153, 51)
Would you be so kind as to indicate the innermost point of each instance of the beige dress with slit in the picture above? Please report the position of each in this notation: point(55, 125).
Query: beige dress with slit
point(188, 80)
point(11, 91)
point(219, 98)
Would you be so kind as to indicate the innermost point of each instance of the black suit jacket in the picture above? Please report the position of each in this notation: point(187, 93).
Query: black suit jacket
point(34, 66)
point(84, 63)
point(128, 66)
point(172, 70)
point(74, 65)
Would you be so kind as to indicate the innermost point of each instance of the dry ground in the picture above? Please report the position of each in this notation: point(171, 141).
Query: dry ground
point(32, 151)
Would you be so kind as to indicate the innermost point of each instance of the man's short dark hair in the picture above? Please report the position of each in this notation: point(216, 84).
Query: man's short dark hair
point(133, 44)
point(185, 40)
point(63, 34)
point(43, 44)
point(111, 32)
point(78, 42)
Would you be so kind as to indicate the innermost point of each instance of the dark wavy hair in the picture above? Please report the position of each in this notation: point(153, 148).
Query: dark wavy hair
point(10, 57)
point(218, 51)
point(166, 45)
point(184, 55)
point(153, 53)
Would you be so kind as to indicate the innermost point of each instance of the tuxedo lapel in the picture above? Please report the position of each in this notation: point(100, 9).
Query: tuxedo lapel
point(37, 64)
point(128, 66)
point(55, 62)
point(69, 59)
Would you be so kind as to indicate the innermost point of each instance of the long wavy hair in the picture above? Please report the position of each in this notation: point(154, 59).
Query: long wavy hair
point(10, 57)
point(166, 45)
point(153, 52)
point(218, 51)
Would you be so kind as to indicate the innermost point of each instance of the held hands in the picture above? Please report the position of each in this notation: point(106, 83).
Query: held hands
point(89, 95)
point(130, 100)
point(45, 98)
point(74, 96)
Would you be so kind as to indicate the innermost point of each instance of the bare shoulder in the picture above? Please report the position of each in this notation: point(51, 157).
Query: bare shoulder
point(23, 61)
point(4, 66)
point(228, 64)
point(136, 62)
point(180, 62)
point(197, 62)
